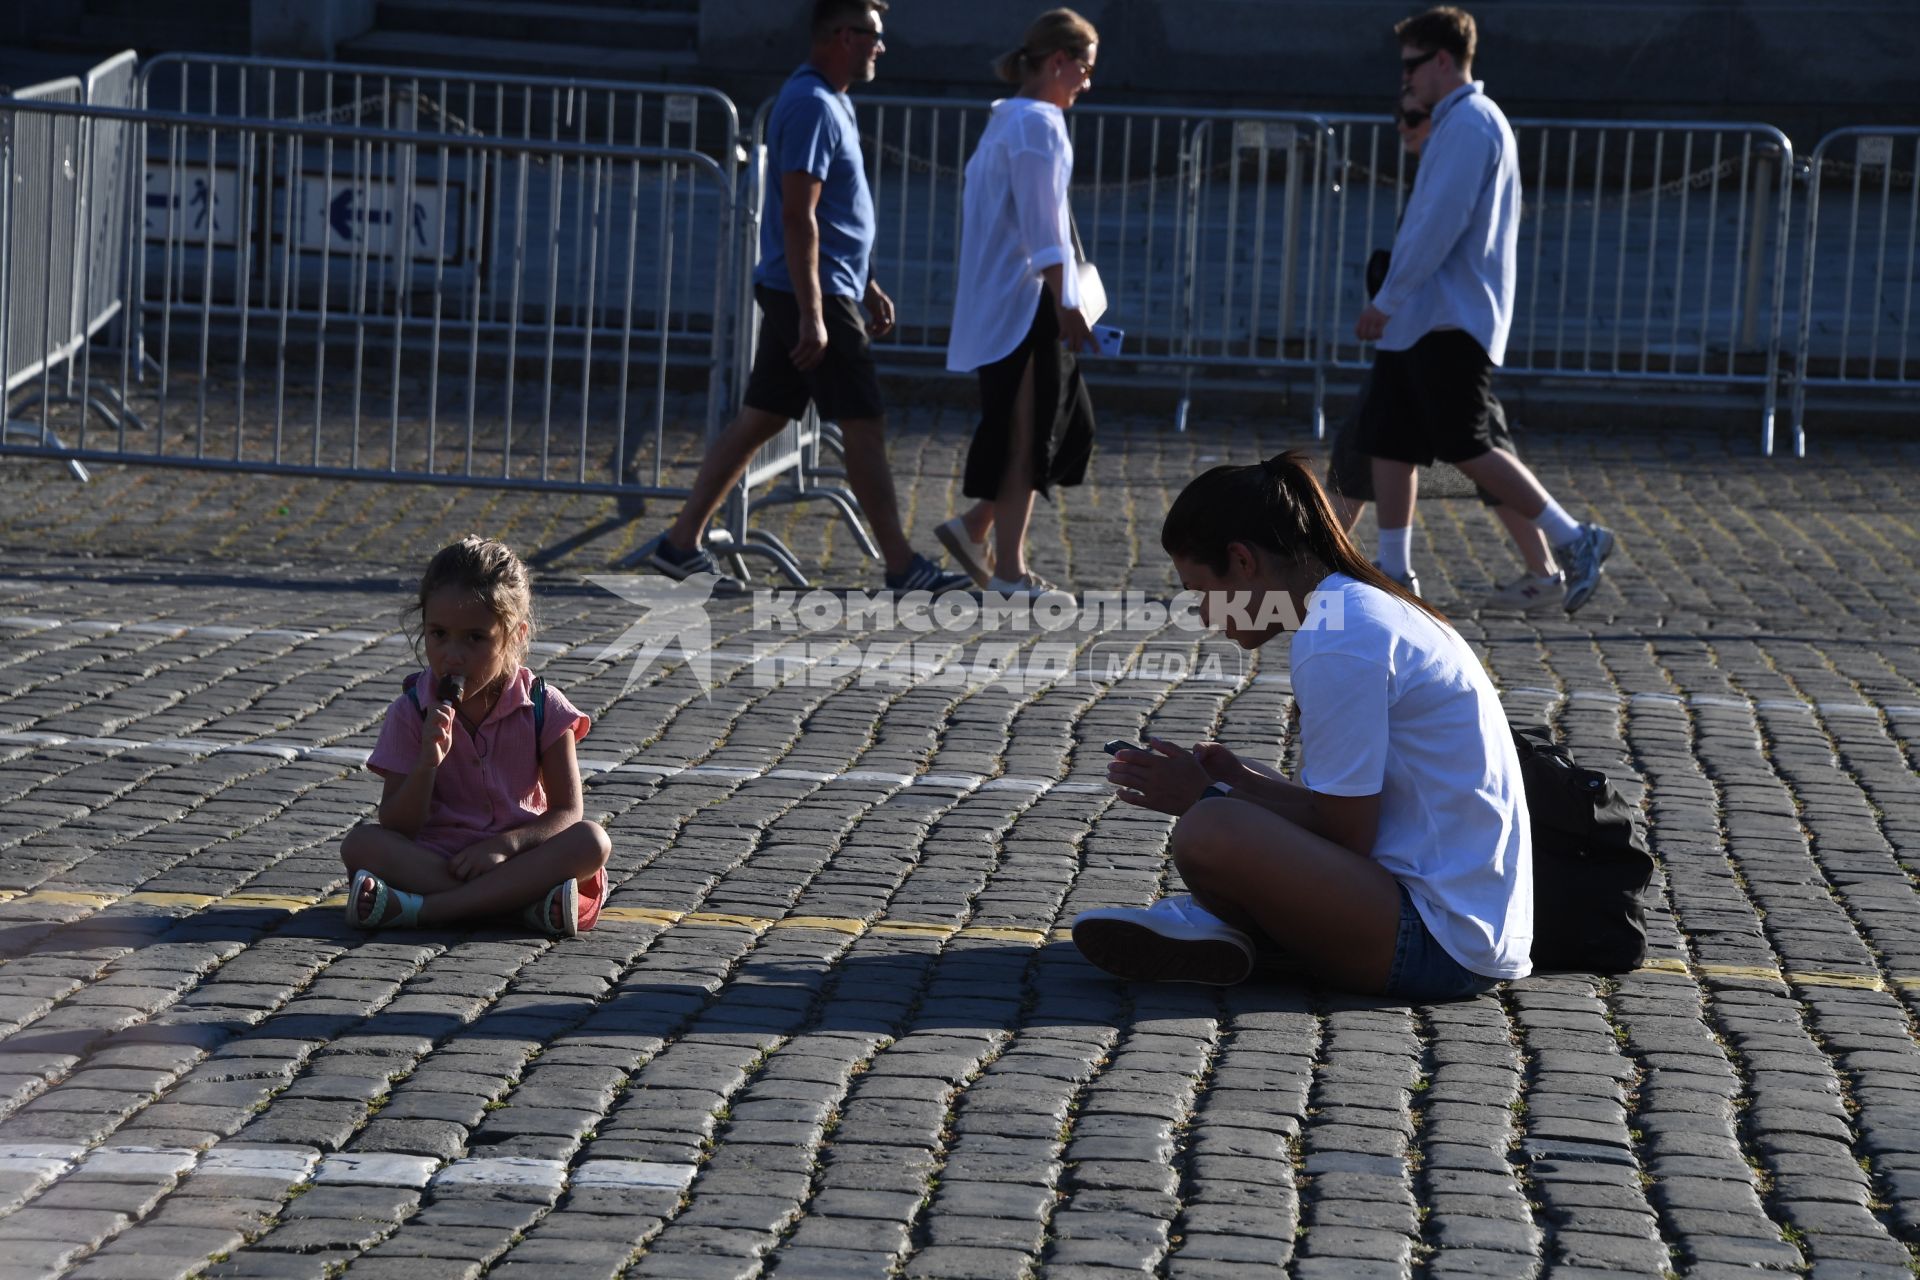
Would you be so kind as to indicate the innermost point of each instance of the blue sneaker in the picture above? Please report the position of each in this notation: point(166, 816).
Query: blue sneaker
point(1582, 560)
point(922, 574)
point(681, 565)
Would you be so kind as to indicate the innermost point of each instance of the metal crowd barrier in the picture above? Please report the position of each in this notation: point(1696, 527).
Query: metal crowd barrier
point(62, 254)
point(333, 299)
point(1650, 252)
point(1860, 266)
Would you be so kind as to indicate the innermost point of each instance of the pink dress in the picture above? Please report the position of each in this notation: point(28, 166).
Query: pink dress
point(490, 782)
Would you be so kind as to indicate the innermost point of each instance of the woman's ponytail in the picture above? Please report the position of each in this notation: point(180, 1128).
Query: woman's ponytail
point(1055, 31)
point(1277, 505)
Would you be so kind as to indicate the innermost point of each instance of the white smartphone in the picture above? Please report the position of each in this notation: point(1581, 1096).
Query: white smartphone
point(1108, 338)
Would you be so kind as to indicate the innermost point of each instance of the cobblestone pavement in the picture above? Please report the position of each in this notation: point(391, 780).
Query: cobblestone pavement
point(828, 1025)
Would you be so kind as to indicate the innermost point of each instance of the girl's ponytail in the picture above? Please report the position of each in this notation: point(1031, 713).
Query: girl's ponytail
point(1277, 505)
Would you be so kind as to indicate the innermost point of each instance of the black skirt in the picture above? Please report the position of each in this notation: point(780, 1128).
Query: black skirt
point(1062, 412)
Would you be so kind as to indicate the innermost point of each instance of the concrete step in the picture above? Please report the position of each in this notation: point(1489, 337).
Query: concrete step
point(516, 21)
point(519, 57)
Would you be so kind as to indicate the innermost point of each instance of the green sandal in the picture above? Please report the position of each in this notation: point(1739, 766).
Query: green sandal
point(538, 916)
point(409, 904)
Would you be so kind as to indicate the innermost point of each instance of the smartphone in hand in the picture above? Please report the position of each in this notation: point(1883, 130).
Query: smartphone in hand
point(1118, 745)
point(1108, 339)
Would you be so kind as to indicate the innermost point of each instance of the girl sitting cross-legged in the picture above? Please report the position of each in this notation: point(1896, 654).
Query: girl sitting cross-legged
point(481, 811)
point(1400, 861)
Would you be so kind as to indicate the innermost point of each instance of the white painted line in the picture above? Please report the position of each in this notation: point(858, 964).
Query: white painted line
point(723, 771)
point(801, 775)
point(962, 781)
point(373, 1169)
point(138, 1163)
point(1856, 709)
point(503, 1171)
point(42, 1160)
point(348, 755)
point(633, 1173)
point(1782, 704)
point(1017, 784)
point(1717, 700)
point(289, 1164)
point(871, 775)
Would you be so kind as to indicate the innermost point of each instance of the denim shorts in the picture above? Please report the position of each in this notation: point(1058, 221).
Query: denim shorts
point(1423, 972)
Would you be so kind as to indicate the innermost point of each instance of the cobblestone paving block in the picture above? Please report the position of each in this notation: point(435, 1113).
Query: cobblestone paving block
point(827, 1026)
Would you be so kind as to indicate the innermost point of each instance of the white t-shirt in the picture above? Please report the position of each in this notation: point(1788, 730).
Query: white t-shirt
point(1014, 223)
point(1393, 703)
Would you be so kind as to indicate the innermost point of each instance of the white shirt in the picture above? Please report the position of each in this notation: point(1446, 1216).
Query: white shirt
point(1456, 257)
point(1393, 703)
point(1015, 222)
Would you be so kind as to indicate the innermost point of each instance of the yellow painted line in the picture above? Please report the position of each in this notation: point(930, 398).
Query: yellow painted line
point(1853, 981)
point(722, 919)
point(8, 895)
point(911, 928)
point(644, 915)
point(1763, 971)
point(1032, 937)
point(1665, 964)
point(832, 924)
point(155, 899)
point(69, 898)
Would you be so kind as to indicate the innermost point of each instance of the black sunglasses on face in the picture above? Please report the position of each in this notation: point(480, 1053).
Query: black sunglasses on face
point(875, 36)
point(1413, 119)
point(1410, 65)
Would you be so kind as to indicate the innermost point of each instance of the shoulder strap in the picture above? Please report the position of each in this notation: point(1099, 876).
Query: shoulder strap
point(406, 686)
point(539, 693)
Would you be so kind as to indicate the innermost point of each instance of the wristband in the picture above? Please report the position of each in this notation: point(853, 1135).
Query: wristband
point(1220, 789)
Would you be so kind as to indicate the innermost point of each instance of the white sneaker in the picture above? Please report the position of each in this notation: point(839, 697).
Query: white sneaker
point(1174, 940)
point(1528, 594)
point(1031, 585)
point(974, 557)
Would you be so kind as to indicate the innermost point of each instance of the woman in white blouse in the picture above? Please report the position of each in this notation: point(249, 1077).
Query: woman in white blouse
point(1016, 321)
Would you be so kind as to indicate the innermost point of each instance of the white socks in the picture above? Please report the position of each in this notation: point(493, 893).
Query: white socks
point(1559, 527)
point(1396, 546)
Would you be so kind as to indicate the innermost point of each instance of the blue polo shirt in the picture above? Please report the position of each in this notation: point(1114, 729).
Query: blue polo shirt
point(812, 130)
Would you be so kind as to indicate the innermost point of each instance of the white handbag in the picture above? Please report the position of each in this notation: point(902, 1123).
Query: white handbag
point(1093, 294)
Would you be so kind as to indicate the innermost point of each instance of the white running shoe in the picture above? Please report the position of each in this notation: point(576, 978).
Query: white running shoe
point(1528, 594)
point(974, 557)
point(1031, 585)
point(1174, 940)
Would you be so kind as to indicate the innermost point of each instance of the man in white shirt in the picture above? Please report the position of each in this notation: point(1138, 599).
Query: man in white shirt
point(1441, 318)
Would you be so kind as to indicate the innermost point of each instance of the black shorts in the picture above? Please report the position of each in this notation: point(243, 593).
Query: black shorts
point(844, 386)
point(1433, 401)
point(1350, 469)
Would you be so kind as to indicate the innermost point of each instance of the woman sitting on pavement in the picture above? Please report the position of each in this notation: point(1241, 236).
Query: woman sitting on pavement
point(1400, 863)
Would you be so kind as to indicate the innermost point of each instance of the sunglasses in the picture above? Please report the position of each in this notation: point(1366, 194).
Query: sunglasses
point(1413, 119)
point(868, 32)
point(1410, 65)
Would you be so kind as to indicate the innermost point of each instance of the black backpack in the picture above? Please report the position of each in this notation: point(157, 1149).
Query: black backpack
point(1591, 866)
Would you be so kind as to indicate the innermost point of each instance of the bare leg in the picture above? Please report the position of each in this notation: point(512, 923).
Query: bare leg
point(1508, 479)
point(1013, 505)
point(397, 860)
point(1347, 510)
point(1395, 487)
point(872, 483)
point(1527, 538)
point(977, 520)
point(726, 459)
point(574, 854)
point(1334, 911)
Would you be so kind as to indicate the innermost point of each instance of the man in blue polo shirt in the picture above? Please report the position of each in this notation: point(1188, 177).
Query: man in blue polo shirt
point(816, 238)
point(1441, 317)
